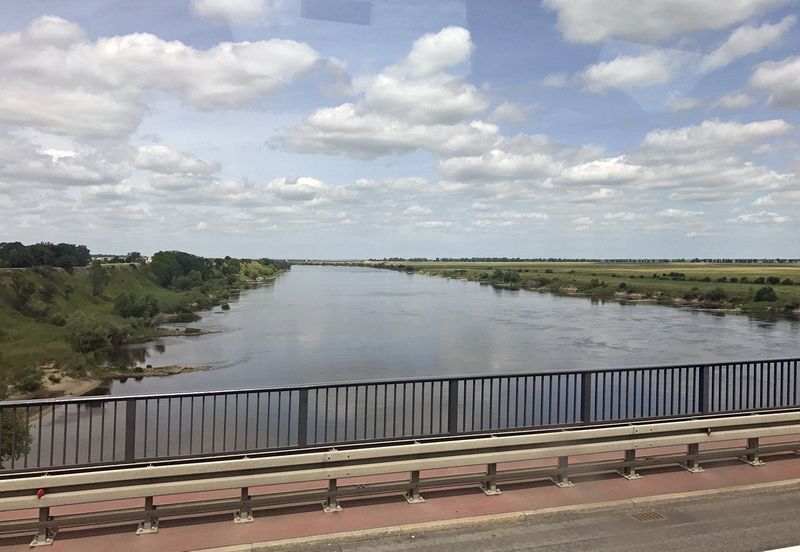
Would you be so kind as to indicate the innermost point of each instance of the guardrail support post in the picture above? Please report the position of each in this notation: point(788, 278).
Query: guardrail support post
point(150, 522)
point(302, 419)
point(752, 457)
point(45, 533)
point(628, 470)
point(244, 514)
point(692, 459)
point(562, 477)
point(331, 503)
point(489, 486)
point(586, 397)
point(130, 429)
point(452, 406)
point(412, 495)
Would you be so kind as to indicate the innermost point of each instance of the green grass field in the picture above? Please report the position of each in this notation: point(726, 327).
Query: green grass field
point(677, 284)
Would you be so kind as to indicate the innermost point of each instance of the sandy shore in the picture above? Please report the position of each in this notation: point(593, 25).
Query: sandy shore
point(68, 386)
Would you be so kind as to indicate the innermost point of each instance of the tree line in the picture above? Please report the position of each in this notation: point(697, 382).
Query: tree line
point(63, 255)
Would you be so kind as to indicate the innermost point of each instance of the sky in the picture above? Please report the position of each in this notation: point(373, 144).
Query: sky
point(382, 128)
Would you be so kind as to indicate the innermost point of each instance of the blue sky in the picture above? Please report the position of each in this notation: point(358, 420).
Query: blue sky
point(372, 128)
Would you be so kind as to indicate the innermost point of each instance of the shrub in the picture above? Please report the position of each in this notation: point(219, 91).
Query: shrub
point(788, 282)
point(129, 305)
point(765, 293)
point(773, 280)
point(86, 333)
point(29, 380)
point(716, 294)
point(759, 280)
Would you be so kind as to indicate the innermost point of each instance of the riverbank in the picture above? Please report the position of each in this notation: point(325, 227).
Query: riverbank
point(767, 291)
point(71, 318)
point(56, 383)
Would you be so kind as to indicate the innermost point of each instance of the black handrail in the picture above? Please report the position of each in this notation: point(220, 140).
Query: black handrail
point(89, 431)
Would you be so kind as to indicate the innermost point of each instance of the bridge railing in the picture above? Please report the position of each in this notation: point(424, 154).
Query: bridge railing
point(50, 434)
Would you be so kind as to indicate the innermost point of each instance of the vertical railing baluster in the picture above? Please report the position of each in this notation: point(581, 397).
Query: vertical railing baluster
point(302, 418)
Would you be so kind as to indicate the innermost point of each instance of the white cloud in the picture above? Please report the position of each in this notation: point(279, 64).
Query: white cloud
point(556, 80)
point(672, 213)
point(711, 135)
point(759, 218)
point(56, 80)
point(652, 68)
point(510, 112)
point(781, 79)
point(744, 41)
point(779, 198)
point(303, 188)
point(615, 169)
point(733, 100)
point(417, 210)
point(25, 162)
point(411, 105)
point(435, 52)
point(594, 21)
point(165, 160)
point(238, 12)
point(677, 102)
point(523, 157)
point(623, 216)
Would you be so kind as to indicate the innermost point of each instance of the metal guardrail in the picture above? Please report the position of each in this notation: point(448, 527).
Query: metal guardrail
point(392, 469)
point(54, 434)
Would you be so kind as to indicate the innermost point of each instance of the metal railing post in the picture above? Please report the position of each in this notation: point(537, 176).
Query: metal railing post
point(586, 397)
point(704, 390)
point(130, 429)
point(302, 419)
point(452, 406)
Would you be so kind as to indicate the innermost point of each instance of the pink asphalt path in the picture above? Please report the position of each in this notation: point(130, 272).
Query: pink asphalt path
point(360, 514)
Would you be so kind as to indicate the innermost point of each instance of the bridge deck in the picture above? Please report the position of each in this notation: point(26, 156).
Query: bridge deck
point(441, 506)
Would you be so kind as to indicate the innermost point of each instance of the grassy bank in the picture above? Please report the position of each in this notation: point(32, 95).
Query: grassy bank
point(57, 322)
point(762, 290)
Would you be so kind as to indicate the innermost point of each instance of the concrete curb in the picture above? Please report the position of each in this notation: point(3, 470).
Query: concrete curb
point(507, 518)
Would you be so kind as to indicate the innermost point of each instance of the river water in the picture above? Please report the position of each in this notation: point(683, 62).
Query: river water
point(323, 324)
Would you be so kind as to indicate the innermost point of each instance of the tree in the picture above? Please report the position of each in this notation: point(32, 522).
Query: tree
point(15, 439)
point(98, 276)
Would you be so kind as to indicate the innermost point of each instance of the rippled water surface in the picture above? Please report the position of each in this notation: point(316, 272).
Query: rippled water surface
point(319, 324)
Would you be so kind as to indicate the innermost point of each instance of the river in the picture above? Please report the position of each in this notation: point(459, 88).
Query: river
point(321, 324)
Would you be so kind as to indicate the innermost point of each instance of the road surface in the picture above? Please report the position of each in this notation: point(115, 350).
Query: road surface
point(746, 521)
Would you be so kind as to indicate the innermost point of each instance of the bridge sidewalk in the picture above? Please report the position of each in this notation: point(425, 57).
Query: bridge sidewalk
point(441, 506)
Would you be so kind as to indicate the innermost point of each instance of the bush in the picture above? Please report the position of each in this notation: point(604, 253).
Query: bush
point(773, 280)
point(130, 305)
point(788, 282)
point(759, 280)
point(716, 294)
point(765, 293)
point(86, 333)
point(29, 380)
